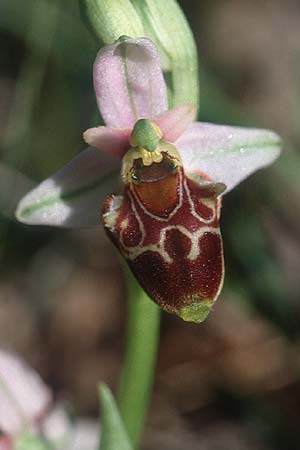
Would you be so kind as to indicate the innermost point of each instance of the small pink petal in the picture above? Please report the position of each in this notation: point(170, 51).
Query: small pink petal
point(6, 443)
point(23, 395)
point(175, 121)
point(227, 154)
point(114, 141)
point(129, 83)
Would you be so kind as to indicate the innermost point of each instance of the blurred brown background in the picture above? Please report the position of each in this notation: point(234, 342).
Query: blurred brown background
point(232, 383)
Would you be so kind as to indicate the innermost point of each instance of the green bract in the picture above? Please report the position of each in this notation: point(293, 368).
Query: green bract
point(165, 23)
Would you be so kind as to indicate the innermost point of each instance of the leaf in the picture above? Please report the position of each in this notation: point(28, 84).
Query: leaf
point(113, 435)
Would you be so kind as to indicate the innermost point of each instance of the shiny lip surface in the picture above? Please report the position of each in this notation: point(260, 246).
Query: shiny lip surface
point(155, 172)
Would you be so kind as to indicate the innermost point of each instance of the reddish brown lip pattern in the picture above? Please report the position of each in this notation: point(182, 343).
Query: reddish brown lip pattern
point(167, 227)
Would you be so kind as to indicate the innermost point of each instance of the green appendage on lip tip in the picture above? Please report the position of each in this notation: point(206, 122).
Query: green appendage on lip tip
point(196, 312)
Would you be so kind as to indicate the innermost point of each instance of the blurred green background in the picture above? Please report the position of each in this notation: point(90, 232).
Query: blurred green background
point(232, 383)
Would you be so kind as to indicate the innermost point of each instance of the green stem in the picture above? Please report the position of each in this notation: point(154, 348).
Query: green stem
point(140, 359)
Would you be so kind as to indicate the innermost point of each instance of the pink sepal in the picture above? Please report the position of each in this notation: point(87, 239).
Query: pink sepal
point(129, 83)
point(227, 154)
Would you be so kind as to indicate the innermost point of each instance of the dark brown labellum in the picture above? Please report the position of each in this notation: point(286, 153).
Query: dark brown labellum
point(166, 225)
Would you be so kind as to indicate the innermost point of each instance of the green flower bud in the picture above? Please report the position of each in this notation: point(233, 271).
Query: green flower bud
point(109, 19)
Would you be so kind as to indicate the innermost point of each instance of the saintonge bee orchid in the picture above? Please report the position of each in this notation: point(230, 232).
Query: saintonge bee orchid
point(165, 217)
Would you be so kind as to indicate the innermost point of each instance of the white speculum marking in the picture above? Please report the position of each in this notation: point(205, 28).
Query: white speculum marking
point(133, 252)
point(110, 217)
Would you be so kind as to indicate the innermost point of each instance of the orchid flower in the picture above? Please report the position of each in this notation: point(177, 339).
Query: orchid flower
point(30, 419)
point(24, 400)
point(174, 173)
